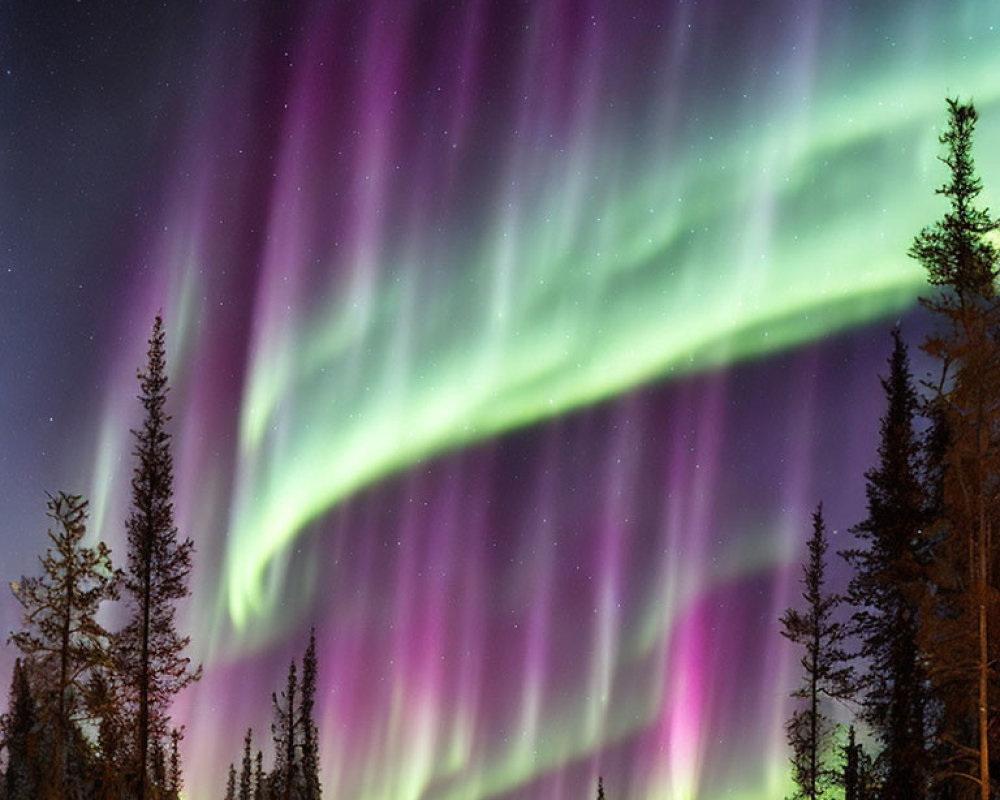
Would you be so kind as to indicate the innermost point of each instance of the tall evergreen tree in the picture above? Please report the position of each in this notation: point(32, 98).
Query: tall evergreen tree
point(149, 656)
point(886, 589)
point(295, 775)
point(21, 740)
point(285, 776)
point(600, 788)
point(307, 724)
point(175, 780)
point(858, 773)
point(260, 781)
point(825, 674)
point(852, 768)
point(231, 783)
point(246, 768)
point(60, 630)
point(958, 626)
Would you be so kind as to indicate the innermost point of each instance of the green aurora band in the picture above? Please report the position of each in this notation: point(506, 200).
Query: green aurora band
point(770, 236)
point(628, 248)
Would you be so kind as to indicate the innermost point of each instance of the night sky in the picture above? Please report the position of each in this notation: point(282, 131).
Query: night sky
point(511, 346)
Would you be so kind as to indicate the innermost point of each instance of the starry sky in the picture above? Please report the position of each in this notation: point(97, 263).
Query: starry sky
point(511, 346)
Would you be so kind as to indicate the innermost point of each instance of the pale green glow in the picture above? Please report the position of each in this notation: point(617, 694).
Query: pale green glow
point(752, 228)
point(592, 281)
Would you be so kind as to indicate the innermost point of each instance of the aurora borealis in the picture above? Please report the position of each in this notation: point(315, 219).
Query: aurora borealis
point(511, 345)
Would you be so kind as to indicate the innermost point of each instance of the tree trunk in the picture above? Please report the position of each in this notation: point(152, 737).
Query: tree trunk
point(983, 667)
point(143, 726)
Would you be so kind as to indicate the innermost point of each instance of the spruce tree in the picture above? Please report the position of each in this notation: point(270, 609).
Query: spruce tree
point(825, 674)
point(958, 623)
point(175, 780)
point(600, 788)
point(150, 650)
point(60, 631)
point(231, 783)
point(852, 770)
point(246, 768)
point(260, 781)
point(21, 740)
point(307, 724)
point(284, 729)
point(113, 734)
point(886, 590)
point(858, 777)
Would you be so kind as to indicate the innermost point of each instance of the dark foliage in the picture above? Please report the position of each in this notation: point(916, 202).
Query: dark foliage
point(858, 778)
point(20, 739)
point(246, 768)
point(959, 614)
point(287, 767)
point(887, 589)
point(149, 656)
point(824, 671)
point(311, 789)
point(60, 635)
point(260, 780)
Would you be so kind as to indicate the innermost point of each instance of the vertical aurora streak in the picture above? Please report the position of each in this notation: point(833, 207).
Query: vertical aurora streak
point(511, 345)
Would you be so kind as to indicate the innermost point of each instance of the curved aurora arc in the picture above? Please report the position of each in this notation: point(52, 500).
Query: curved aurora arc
point(416, 291)
point(572, 299)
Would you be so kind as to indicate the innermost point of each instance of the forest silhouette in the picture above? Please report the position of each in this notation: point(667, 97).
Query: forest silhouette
point(909, 651)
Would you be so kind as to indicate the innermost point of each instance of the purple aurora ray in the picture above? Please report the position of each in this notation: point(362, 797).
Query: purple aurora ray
point(511, 345)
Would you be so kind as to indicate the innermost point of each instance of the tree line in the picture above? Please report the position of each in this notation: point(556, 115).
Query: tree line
point(908, 653)
point(909, 649)
point(295, 774)
point(89, 707)
point(88, 715)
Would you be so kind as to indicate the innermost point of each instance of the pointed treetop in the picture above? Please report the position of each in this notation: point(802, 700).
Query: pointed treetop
point(954, 250)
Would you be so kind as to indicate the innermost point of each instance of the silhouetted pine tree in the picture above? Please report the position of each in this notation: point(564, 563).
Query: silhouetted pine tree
point(231, 784)
point(260, 780)
point(824, 670)
point(851, 768)
point(114, 737)
point(21, 739)
point(600, 788)
point(286, 772)
point(959, 622)
point(295, 774)
point(307, 725)
point(859, 778)
point(175, 780)
point(61, 635)
point(246, 768)
point(886, 590)
point(149, 652)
